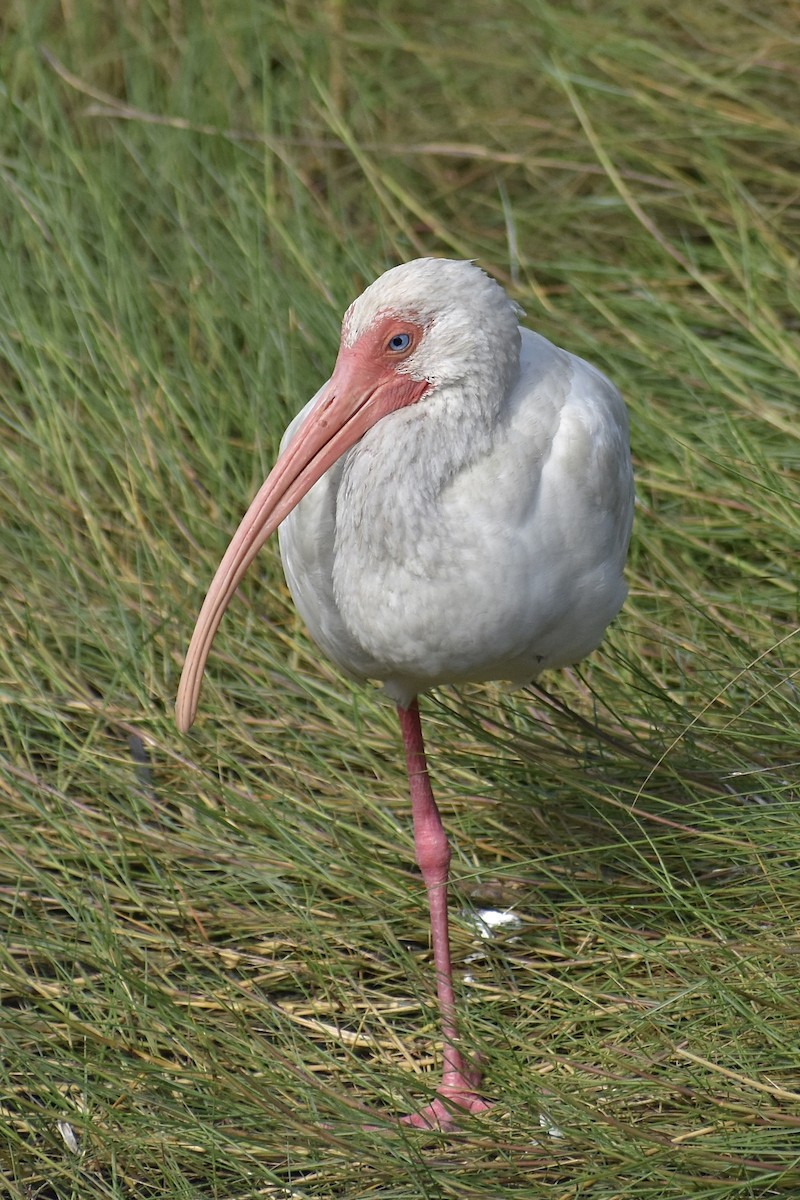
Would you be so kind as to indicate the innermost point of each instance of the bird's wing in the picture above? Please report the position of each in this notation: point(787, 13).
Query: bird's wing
point(549, 513)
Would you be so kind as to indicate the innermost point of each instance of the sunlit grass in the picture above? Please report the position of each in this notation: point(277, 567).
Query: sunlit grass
point(214, 966)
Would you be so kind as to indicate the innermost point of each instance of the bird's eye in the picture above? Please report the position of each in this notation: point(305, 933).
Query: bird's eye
point(398, 343)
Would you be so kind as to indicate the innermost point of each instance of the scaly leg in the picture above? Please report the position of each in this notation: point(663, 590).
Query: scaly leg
point(460, 1080)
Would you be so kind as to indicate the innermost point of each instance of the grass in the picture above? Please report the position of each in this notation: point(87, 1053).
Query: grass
point(214, 952)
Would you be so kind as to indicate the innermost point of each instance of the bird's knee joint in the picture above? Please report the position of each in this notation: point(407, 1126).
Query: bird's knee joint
point(433, 856)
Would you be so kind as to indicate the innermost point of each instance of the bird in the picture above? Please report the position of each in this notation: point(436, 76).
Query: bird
point(454, 505)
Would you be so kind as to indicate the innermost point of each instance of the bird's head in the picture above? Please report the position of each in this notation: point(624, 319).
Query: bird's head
point(421, 328)
point(435, 319)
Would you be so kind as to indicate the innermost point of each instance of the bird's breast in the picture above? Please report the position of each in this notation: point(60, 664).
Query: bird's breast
point(417, 563)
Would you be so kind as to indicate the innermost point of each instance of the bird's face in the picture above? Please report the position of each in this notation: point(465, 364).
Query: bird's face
point(368, 383)
point(464, 329)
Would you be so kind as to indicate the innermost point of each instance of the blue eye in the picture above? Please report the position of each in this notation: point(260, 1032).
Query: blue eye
point(398, 343)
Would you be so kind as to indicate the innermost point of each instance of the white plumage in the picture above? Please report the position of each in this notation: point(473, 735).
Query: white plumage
point(456, 505)
point(437, 551)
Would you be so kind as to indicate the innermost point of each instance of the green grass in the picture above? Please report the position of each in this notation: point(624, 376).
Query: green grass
point(214, 948)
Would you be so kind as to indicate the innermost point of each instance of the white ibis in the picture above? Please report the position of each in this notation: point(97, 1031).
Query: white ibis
point(454, 504)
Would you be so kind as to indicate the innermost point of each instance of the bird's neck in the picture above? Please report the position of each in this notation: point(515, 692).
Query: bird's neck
point(392, 482)
point(421, 448)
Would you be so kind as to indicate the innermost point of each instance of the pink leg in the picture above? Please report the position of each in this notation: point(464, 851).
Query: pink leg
point(459, 1079)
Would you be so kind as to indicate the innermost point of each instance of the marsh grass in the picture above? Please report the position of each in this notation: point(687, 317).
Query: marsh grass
point(214, 967)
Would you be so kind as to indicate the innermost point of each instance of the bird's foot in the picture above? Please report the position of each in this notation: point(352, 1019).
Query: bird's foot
point(438, 1115)
point(457, 1094)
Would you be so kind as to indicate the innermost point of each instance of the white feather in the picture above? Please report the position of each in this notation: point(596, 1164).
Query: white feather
point(482, 532)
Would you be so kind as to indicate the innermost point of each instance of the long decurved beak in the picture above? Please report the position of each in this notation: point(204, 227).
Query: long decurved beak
point(353, 400)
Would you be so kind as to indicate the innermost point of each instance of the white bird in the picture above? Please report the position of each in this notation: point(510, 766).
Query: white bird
point(455, 504)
